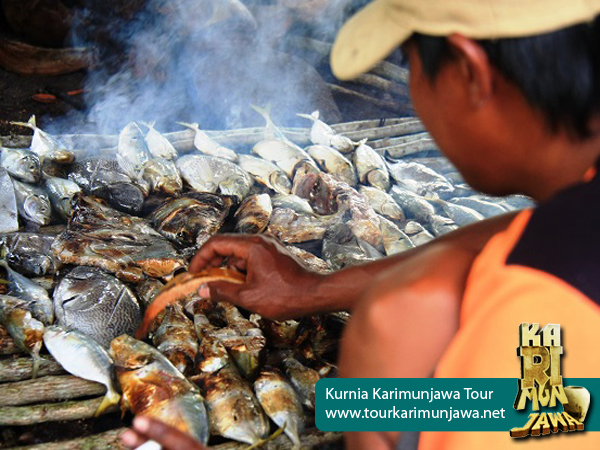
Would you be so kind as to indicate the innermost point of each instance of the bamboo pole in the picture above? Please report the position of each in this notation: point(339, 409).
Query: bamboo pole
point(48, 389)
point(389, 105)
point(7, 345)
point(51, 412)
point(17, 369)
point(394, 141)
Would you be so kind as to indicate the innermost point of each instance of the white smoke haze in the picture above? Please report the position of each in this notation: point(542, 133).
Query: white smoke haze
point(204, 61)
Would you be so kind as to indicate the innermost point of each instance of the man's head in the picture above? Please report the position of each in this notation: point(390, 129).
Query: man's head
point(493, 80)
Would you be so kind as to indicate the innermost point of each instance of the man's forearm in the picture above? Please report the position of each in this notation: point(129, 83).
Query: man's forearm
point(342, 289)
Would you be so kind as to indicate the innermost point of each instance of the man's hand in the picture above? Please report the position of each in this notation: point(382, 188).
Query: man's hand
point(169, 438)
point(277, 286)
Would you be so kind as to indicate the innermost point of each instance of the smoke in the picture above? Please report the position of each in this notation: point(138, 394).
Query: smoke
point(205, 61)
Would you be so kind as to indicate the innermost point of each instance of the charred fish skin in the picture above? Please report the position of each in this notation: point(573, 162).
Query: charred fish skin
point(233, 409)
point(33, 203)
point(153, 387)
point(96, 304)
point(303, 379)
point(253, 215)
point(176, 339)
point(333, 162)
point(281, 403)
point(21, 164)
point(25, 331)
point(162, 176)
point(83, 357)
point(192, 218)
point(291, 227)
point(29, 253)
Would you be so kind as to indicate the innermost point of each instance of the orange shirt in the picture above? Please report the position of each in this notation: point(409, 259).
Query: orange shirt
point(502, 292)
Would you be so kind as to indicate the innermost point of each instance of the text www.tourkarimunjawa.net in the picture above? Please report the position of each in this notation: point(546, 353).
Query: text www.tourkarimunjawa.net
point(395, 413)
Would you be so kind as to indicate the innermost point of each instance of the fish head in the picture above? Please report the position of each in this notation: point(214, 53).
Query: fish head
point(129, 353)
point(37, 208)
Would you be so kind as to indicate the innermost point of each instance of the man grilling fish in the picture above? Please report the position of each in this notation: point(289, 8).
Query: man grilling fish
point(510, 91)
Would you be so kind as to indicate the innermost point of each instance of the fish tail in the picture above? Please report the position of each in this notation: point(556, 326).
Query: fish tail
point(307, 116)
point(264, 112)
point(150, 125)
point(111, 398)
point(362, 141)
point(36, 364)
point(191, 126)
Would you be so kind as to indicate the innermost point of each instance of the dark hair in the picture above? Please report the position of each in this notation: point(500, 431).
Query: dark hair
point(558, 72)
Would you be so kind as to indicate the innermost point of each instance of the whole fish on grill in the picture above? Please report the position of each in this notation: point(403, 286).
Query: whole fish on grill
point(394, 239)
point(420, 179)
point(309, 260)
point(96, 304)
point(83, 357)
point(280, 402)
point(253, 214)
point(162, 176)
point(483, 207)
point(275, 147)
point(383, 203)
point(341, 248)
point(291, 227)
point(61, 192)
point(132, 151)
point(417, 233)
point(293, 202)
point(46, 146)
point(158, 145)
point(29, 253)
point(105, 178)
point(212, 174)
point(9, 215)
point(192, 218)
point(147, 290)
point(176, 339)
point(233, 410)
point(333, 162)
point(25, 331)
point(266, 173)
point(370, 166)
point(207, 145)
point(312, 187)
point(323, 134)
point(36, 297)
point(21, 164)
point(128, 246)
point(441, 225)
point(413, 205)
point(461, 215)
point(33, 203)
point(154, 388)
point(303, 379)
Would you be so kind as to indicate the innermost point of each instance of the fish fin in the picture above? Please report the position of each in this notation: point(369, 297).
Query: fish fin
point(262, 442)
point(32, 121)
point(25, 124)
point(316, 114)
point(36, 365)
point(111, 398)
point(361, 142)
point(191, 126)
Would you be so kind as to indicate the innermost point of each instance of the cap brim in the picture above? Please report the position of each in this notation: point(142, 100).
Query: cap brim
point(366, 39)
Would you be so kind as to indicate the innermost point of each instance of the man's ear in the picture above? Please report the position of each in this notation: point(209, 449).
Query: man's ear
point(474, 66)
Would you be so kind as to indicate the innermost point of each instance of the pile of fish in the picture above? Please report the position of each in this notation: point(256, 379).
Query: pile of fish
point(87, 244)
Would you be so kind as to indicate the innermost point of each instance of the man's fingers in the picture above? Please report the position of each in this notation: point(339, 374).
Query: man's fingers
point(170, 438)
point(238, 263)
point(224, 291)
point(221, 246)
point(132, 439)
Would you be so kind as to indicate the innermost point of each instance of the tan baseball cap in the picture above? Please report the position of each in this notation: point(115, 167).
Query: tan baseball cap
point(375, 31)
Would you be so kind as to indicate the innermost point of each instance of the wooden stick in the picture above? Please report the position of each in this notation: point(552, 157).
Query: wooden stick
point(51, 412)
point(394, 141)
point(48, 389)
point(378, 82)
point(392, 71)
point(409, 148)
point(384, 104)
point(17, 369)
point(7, 345)
point(100, 441)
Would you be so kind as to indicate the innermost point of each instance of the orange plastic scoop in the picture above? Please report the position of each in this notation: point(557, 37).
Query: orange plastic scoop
point(181, 286)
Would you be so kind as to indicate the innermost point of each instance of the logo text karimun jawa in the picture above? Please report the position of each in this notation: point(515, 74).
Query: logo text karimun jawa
point(542, 384)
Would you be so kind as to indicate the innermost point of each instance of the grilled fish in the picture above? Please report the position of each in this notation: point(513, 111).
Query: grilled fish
point(21, 164)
